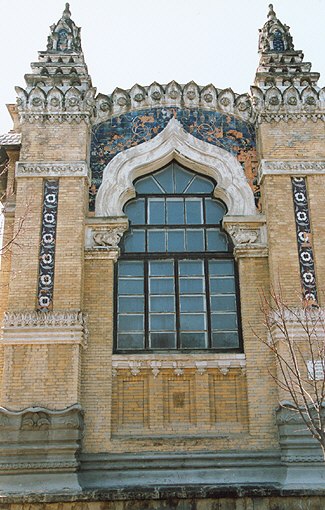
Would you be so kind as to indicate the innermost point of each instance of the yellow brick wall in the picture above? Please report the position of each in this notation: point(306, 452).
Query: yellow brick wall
point(55, 142)
point(40, 375)
point(292, 140)
point(25, 253)
point(262, 393)
point(282, 241)
point(96, 359)
point(69, 248)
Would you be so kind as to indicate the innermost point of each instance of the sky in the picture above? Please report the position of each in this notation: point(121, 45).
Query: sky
point(141, 41)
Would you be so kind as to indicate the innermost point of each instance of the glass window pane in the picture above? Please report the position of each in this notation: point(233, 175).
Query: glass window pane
point(162, 322)
point(135, 241)
point(165, 179)
point(162, 340)
point(130, 322)
point(130, 286)
point(214, 211)
point(225, 340)
point(161, 285)
point(193, 211)
point(221, 267)
point(192, 322)
point(147, 185)
point(135, 211)
point(182, 178)
point(175, 211)
point(130, 304)
point(157, 240)
point(191, 285)
point(130, 341)
point(217, 241)
point(200, 185)
point(191, 267)
point(195, 240)
point(176, 240)
point(156, 211)
point(162, 304)
point(192, 304)
point(222, 285)
point(193, 340)
point(130, 268)
point(226, 303)
point(224, 321)
point(161, 268)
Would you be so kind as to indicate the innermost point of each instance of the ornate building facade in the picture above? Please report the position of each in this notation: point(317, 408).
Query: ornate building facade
point(147, 224)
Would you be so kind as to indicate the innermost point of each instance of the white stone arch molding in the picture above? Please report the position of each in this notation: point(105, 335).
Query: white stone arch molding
point(174, 143)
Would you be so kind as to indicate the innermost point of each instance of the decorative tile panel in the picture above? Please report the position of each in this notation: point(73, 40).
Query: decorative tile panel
point(304, 239)
point(47, 250)
point(130, 129)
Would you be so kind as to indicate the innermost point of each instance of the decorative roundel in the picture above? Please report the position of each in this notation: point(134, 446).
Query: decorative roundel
point(308, 277)
point(47, 258)
point(305, 256)
point(44, 301)
point(303, 237)
point(49, 218)
point(300, 197)
point(310, 296)
point(46, 279)
point(301, 216)
point(51, 198)
point(298, 179)
point(48, 238)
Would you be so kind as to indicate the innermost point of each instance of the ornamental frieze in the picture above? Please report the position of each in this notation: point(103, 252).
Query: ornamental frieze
point(52, 169)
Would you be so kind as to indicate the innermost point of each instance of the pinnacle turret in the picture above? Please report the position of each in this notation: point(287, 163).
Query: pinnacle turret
point(280, 64)
point(59, 85)
point(62, 64)
point(65, 35)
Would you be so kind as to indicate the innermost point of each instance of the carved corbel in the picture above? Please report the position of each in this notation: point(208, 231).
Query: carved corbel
point(104, 236)
point(248, 235)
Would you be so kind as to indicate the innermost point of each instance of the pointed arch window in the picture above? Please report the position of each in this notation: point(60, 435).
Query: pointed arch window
point(176, 276)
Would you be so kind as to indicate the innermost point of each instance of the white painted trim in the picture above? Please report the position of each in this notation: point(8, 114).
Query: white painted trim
point(290, 167)
point(52, 169)
point(174, 143)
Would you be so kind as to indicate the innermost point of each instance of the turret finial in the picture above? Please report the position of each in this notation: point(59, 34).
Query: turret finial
point(66, 13)
point(271, 14)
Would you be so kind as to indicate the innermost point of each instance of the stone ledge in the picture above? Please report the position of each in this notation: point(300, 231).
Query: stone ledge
point(52, 169)
point(290, 167)
point(38, 439)
point(33, 327)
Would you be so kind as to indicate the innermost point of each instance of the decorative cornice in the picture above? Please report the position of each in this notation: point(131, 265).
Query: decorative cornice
point(190, 95)
point(292, 167)
point(52, 169)
point(155, 363)
point(291, 100)
point(45, 328)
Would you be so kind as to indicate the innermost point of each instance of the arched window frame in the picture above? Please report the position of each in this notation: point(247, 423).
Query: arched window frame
point(178, 258)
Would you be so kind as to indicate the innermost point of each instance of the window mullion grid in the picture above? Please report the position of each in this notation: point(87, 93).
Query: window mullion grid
point(177, 305)
point(146, 304)
point(208, 304)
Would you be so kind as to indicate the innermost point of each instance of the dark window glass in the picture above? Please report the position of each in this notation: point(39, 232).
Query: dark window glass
point(176, 274)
